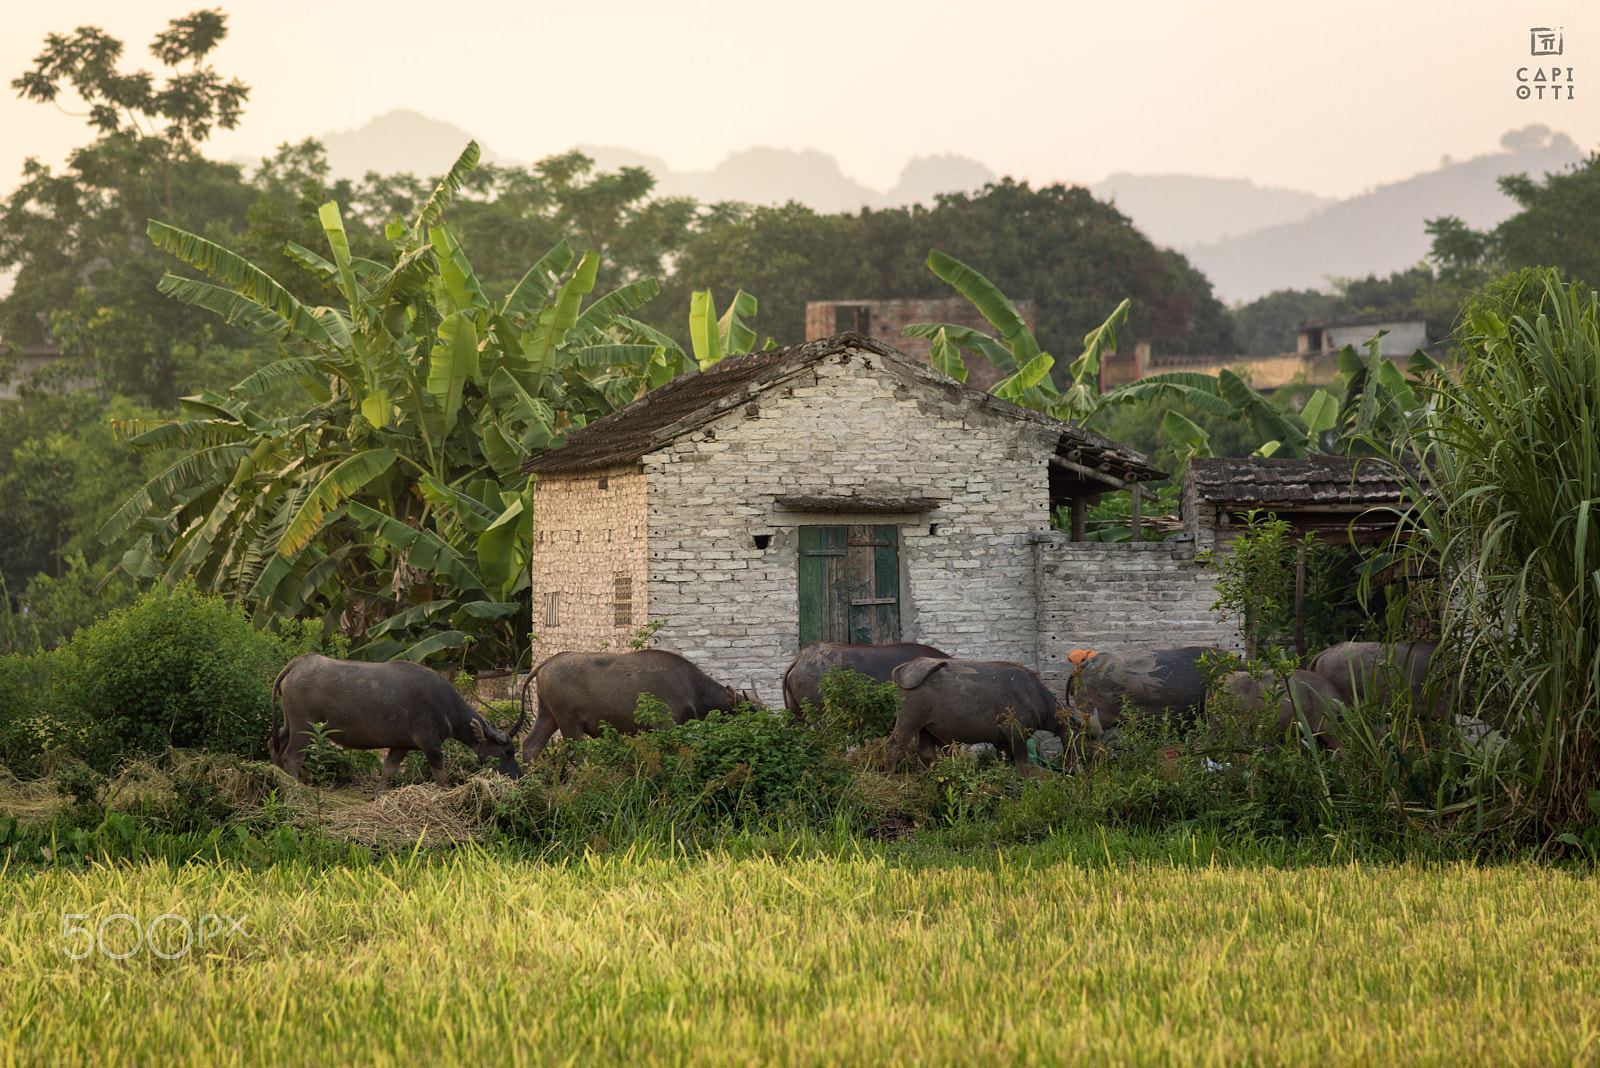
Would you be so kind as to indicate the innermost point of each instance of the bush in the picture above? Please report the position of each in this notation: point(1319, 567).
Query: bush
point(858, 707)
point(177, 669)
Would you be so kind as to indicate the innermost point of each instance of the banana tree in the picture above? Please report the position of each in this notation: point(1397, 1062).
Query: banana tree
point(1015, 351)
point(423, 397)
point(713, 338)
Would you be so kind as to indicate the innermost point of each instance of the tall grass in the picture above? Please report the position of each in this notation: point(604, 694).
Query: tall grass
point(1511, 513)
point(1055, 955)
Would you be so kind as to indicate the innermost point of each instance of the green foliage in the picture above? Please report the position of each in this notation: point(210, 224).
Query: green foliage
point(857, 707)
point(1270, 325)
point(388, 508)
point(1074, 256)
point(1512, 459)
point(1254, 580)
point(176, 669)
point(746, 767)
point(84, 277)
point(1557, 227)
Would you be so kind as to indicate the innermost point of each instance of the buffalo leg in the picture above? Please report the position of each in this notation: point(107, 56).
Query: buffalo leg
point(293, 753)
point(393, 758)
point(436, 765)
point(544, 727)
point(900, 741)
point(927, 746)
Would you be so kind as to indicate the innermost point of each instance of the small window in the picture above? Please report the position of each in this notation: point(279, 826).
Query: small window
point(552, 609)
point(622, 601)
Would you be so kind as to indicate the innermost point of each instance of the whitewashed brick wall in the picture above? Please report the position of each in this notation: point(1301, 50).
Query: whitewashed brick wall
point(850, 423)
point(1099, 595)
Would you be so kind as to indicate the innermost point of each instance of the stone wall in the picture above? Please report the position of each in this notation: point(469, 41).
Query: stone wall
point(724, 555)
point(589, 532)
point(1104, 595)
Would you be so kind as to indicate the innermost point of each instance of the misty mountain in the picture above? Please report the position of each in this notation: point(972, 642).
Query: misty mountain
point(1380, 231)
point(1180, 210)
point(404, 140)
point(763, 175)
point(399, 142)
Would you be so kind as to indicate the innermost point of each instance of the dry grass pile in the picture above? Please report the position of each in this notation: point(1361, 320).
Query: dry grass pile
point(34, 801)
point(424, 815)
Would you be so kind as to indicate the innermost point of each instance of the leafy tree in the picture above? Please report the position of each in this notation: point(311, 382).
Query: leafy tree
point(381, 507)
point(85, 276)
point(1072, 255)
point(1270, 325)
point(1558, 226)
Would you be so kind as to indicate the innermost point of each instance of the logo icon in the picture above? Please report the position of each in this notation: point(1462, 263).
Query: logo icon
point(1544, 41)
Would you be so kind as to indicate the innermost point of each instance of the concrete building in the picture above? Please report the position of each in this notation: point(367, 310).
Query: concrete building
point(1406, 334)
point(836, 491)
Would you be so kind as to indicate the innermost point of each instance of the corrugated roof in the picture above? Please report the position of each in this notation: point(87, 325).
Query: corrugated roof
point(1316, 481)
point(665, 413)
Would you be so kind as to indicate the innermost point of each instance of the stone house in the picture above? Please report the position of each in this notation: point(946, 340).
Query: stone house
point(839, 490)
point(886, 320)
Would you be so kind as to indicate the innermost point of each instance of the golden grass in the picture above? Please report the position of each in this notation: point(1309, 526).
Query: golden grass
point(629, 960)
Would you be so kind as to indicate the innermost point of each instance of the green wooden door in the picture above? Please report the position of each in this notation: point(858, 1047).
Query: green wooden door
point(850, 584)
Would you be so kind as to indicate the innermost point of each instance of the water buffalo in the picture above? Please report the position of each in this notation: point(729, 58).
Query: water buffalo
point(973, 701)
point(1153, 681)
point(580, 691)
point(802, 683)
point(1361, 671)
point(1312, 696)
point(398, 706)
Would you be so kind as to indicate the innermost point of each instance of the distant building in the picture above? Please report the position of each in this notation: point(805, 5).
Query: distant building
point(885, 319)
point(1406, 334)
point(18, 367)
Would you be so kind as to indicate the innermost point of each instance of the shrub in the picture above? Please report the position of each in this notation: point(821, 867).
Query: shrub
point(858, 707)
point(175, 669)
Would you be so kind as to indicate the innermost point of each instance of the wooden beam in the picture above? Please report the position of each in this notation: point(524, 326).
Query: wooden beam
point(1300, 600)
point(1137, 517)
point(1090, 472)
point(1080, 517)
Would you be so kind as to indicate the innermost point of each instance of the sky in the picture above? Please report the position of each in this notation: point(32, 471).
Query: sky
point(1331, 98)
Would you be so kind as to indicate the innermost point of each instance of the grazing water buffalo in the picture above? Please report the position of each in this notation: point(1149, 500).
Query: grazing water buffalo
point(803, 681)
point(580, 691)
point(1313, 696)
point(973, 701)
point(398, 706)
point(1154, 681)
point(1377, 670)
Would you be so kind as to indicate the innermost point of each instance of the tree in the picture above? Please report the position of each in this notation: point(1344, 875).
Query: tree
point(1558, 226)
point(392, 505)
point(1072, 255)
point(1270, 325)
point(85, 277)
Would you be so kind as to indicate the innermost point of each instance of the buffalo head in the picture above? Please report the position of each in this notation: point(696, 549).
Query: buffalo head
point(489, 741)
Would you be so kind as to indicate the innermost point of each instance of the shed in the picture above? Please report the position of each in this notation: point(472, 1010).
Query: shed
point(831, 491)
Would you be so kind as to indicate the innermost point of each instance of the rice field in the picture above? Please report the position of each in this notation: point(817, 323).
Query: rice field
point(856, 958)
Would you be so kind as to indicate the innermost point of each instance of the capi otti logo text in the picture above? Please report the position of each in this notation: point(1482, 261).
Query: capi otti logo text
point(1541, 82)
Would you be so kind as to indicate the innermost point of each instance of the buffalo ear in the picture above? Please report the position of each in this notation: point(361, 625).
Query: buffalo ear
point(913, 673)
point(477, 730)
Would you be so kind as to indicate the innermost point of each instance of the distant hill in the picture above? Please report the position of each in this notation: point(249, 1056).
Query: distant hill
point(1181, 210)
point(399, 142)
point(763, 175)
point(1380, 231)
point(402, 141)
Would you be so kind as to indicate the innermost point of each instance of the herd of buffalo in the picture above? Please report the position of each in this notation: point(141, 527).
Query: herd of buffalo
point(400, 706)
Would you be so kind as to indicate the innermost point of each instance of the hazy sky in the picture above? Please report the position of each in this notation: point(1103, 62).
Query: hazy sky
point(1328, 97)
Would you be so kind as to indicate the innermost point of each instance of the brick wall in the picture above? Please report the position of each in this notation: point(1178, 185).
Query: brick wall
point(586, 537)
point(849, 423)
point(1146, 595)
point(885, 319)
